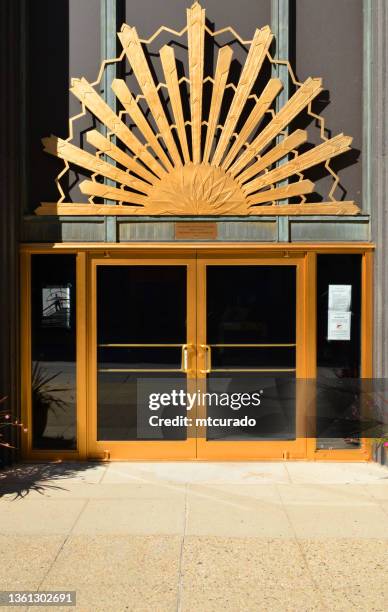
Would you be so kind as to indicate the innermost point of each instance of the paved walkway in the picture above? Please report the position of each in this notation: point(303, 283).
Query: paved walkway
point(198, 537)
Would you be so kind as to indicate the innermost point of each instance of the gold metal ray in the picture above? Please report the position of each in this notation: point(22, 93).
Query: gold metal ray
point(307, 92)
point(167, 57)
point(106, 146)
point(196, 44)
point(111, 193)
point(271, 90)
point(88, 96)
point(135, 54)
point(256, 56)
point(129, 103)
point(335, 146)
point(282, 193)
point(65, 150)
point(281, 150)
point(224, 59)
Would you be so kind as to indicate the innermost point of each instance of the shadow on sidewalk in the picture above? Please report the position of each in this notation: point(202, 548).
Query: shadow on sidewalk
point(22, 479)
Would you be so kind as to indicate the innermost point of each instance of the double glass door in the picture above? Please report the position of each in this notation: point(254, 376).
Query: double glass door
point(197, 356)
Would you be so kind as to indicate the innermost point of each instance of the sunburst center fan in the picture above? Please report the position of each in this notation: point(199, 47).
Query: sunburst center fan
point(176, 158)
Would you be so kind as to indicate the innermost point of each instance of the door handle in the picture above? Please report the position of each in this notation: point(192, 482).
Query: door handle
point(208, 359)
point(185, 358)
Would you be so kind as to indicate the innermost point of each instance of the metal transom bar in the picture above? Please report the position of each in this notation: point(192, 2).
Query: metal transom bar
point(267, 345)
point(135, 345)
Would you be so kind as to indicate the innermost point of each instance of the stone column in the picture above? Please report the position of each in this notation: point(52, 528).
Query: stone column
point(379, 182)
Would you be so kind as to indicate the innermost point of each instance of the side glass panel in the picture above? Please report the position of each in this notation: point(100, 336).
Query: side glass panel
point(53, 322)
point(338, 357)
point(251, 334)
point(141, 328)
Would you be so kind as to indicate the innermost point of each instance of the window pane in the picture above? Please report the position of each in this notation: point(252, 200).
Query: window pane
point(246, 304)
point(53, 319)
point(123, 405)
point(141, 304)
point(338, 361)
point(274, 418)
point(139, 308)
point(247, 357)
point(253, 305)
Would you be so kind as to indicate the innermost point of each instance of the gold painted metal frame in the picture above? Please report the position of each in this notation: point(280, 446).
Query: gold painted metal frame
point(177, 450)
point(253, 450)
point(88, 256)
point(193, 164)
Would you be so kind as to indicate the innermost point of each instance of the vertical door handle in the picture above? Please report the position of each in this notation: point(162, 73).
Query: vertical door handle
point(208, 359)
point(185, 358)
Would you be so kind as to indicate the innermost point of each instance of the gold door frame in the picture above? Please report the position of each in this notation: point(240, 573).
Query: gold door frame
point(252, 450)
point(138, 450)
point(87, 256)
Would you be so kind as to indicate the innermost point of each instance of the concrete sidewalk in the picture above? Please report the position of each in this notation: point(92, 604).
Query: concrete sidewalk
point(161, 537)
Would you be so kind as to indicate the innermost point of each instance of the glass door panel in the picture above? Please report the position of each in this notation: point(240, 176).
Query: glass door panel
point(251, 305)
point(249, 338)
point(206, 327)
point(143, 332)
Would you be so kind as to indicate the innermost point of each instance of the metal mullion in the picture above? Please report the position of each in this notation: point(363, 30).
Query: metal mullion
point(280, 19)
point(108, 50)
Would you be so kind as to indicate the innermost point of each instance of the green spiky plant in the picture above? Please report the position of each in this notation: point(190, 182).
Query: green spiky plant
point(44, 398)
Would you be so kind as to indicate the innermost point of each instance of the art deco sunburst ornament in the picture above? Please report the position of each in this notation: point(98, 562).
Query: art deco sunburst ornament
point(179, 162)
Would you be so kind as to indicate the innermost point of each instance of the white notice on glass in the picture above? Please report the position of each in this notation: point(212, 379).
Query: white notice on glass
point(340, 297)
point(338, 325)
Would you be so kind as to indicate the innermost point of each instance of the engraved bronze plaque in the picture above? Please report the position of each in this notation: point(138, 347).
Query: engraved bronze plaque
point(196, 230)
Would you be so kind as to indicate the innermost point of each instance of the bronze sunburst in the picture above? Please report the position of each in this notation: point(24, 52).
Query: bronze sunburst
point(195, 166)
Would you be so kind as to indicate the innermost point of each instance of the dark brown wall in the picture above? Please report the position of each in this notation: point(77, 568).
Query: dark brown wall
point(328, 43)
point(63, 42)
point(84, 60)
point(11, 179)
point(244, 16)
